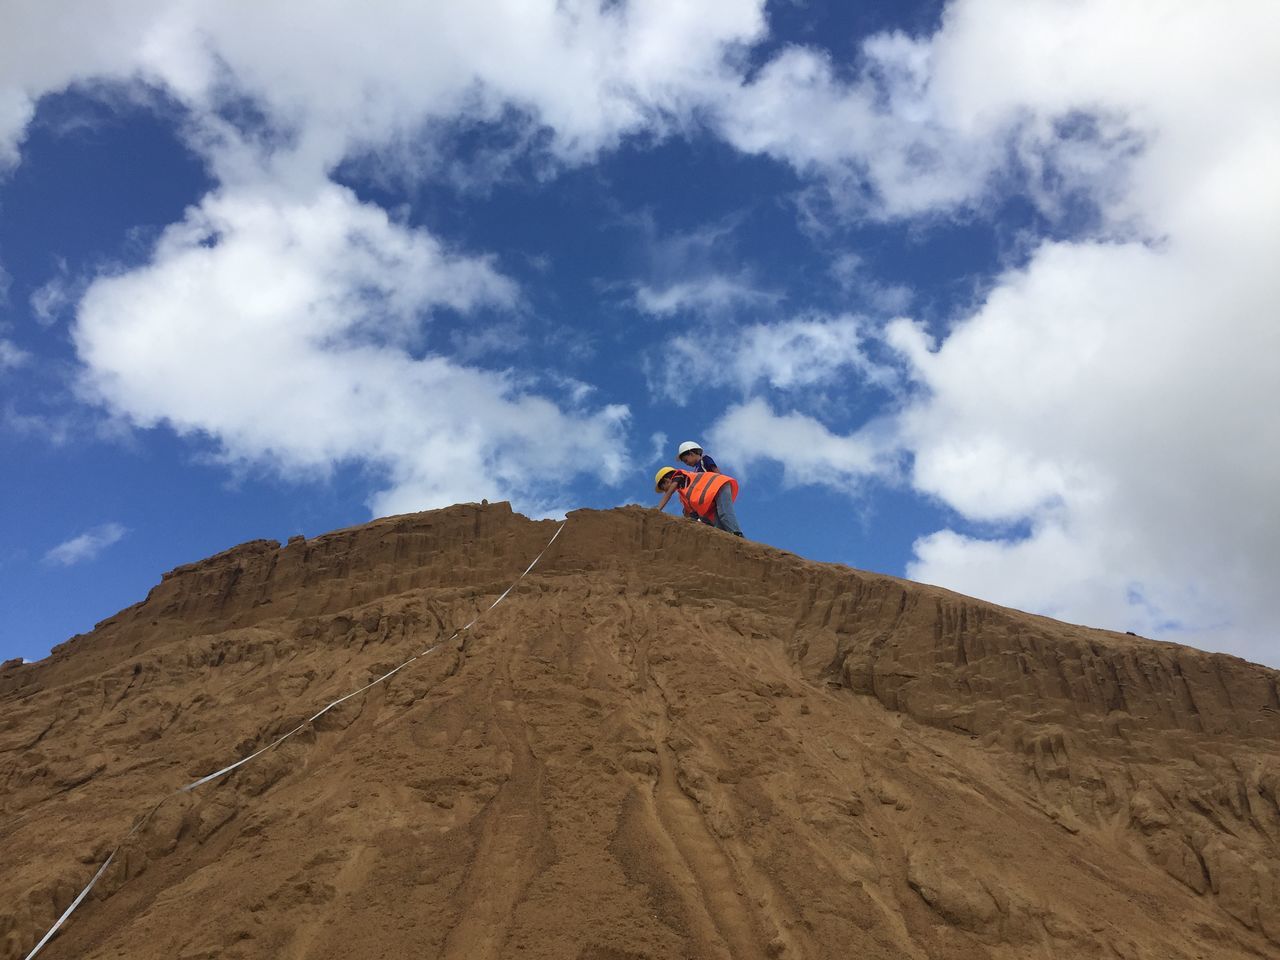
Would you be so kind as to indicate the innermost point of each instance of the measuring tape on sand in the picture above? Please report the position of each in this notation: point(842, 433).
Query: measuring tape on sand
point(57, 925)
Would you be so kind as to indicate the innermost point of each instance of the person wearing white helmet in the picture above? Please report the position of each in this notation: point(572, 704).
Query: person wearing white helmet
point(691, 455)
point(718, 510)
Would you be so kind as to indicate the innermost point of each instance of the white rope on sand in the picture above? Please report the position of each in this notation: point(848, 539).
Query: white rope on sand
point(273, 744)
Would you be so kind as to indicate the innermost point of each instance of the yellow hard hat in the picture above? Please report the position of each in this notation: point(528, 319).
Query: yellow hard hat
point(660, 476)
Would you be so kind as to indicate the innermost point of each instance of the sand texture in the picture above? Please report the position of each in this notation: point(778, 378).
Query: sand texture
point(666, 743)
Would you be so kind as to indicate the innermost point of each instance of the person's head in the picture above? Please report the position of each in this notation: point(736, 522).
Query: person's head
point(689, 453)
point(668, 478)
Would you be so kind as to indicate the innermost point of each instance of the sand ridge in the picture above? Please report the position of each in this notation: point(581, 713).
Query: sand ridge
point(736, 754)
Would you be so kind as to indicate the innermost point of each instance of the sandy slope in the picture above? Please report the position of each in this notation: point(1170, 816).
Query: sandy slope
point(666, 743)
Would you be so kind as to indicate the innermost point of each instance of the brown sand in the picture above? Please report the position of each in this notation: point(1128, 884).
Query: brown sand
point(666, 743)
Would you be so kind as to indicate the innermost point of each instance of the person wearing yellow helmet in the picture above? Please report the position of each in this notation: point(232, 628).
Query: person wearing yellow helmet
point(691, 455)
point(659, 481)
point(668, 490)
point(706, 496)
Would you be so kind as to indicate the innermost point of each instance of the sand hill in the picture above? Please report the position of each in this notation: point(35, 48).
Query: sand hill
point(665, 743)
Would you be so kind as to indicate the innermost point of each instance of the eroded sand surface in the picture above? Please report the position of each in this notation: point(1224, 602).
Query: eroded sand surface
point(665, 743)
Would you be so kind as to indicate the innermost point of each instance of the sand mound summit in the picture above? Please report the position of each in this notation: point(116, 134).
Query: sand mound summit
point(665, 743)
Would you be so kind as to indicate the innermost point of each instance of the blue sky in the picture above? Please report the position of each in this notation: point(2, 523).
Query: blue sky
point(976, 293)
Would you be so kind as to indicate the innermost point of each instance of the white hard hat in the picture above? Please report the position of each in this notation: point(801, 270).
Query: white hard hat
point(687, 446)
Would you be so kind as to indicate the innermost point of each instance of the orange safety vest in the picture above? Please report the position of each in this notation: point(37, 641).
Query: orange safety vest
point(699, 494)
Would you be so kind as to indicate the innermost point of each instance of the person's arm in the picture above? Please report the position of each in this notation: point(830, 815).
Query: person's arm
point(665, 497)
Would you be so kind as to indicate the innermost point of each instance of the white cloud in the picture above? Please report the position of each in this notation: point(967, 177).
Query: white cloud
point(707, 294)
point(56, 430)
point(86, 546)
point(11, 355)
point(292, 332)
point(856, 281)
point(810, 453)
point(880, 141)
point(1114, 397)
point(55, 296)
point(16, 111)
point(696, 272)
point(296, 349)
point(1055, 97)
point(49, 300)
point(1120, 397)
point(359, 79)
point(1091, 575)
point(802, 352)
point(578, 391)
